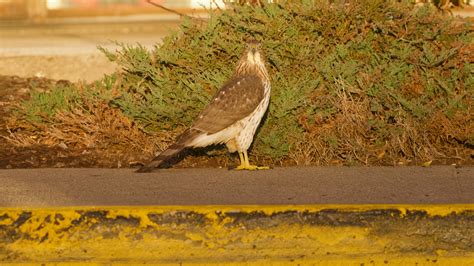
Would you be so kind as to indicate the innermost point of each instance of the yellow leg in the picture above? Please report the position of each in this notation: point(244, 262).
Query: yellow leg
point(242, 159)
point(245, 164)
point(246, 158)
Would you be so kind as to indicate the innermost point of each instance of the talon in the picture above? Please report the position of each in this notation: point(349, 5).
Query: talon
point(245, 165)
point(251, 167)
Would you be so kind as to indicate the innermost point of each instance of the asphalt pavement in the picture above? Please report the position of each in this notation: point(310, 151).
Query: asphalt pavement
point(279, 186)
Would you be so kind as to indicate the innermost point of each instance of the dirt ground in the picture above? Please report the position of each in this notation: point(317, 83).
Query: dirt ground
point(13, 89)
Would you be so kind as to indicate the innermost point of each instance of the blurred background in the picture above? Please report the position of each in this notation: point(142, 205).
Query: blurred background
point(58, 39)
point(42, 9)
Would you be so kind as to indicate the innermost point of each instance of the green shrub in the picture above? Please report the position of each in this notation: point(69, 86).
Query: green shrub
point(368, 82)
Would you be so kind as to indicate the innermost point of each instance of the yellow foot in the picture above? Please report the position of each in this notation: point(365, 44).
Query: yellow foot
point(245, 165)
point(251, 167)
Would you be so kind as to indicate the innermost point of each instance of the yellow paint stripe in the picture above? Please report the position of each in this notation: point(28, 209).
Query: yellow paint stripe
point(432, 209)
point(333, 234)
point(354, 261)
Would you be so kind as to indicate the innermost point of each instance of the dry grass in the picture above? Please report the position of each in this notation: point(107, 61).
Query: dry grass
point(93, 126)
point(342, 138)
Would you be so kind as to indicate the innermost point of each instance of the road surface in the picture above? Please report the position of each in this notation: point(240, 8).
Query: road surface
point(280, 186)
point(67, 48)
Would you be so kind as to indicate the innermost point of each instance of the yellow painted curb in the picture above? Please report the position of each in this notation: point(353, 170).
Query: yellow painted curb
point(305, 234)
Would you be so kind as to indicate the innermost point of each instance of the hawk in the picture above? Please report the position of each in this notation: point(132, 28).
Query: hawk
point(232, 116)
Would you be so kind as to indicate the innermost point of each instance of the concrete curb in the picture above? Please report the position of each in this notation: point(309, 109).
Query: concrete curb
point(321, 234)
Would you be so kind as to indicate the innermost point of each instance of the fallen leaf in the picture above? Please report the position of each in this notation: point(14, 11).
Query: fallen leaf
point(427, 164)
point(381, 155)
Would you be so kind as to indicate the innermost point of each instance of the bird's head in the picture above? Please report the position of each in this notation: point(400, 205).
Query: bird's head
point(252, 59)
point(252, 53)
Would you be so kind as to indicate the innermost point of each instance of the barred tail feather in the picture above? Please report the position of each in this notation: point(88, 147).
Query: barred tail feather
point(183, 141)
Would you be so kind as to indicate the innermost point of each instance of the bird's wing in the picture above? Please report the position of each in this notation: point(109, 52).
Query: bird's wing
point(237, 99)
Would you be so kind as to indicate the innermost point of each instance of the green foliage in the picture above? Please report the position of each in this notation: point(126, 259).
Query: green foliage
point(351, 78)
point(44, 105)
